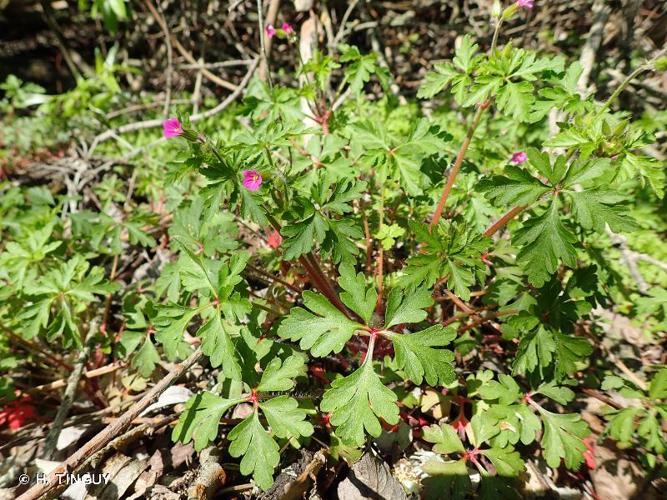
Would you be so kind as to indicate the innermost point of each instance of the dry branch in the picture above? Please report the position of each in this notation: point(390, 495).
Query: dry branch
point(133, 127)
point(111, 431)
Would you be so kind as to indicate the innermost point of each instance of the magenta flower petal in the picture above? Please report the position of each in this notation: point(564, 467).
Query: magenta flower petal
point(270, 30)
point(518, 158)
point(526, 4)
point(252, 180)
point(171, 127)
point(287, 28)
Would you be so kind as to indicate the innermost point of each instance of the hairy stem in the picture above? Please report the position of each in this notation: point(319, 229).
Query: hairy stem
point(500, 223)
point(494, 42)
point(457, 164)
point(644, 67)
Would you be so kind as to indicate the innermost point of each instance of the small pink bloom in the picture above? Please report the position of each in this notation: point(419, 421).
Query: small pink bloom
point(287, 28)
point(518, 158)
point(274, 239)
point(172, 128)
point(526, 4)
point(270, 30)
point(251, 180)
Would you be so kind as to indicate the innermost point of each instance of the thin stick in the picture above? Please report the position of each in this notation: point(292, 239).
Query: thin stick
point(97, 372)
point(35, 347)
point(341, 28)
point(459, 303)
point(184, 52)
point(219, 64)
point(209, 76)
point(624, 368)
point(601, 397)
point(277, 279)
point(70, 392)
point(109, 432)
point(145, 429)
point(167, 40)
point(50, 19)
point(133, 127)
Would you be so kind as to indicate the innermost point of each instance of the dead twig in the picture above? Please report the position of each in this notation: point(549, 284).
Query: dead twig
point(142, 125)
point(210, 476)
point(97, 372)
point(167, 40)
point(70, 393)
point(600, 13)
point(297, 489)
point(111, 431)
point(629, 258)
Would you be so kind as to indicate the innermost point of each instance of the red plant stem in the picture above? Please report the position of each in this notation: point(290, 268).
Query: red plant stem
point(317, 280)
point(329, 289)
point(380, 260)
point(461, 305)
point(493, 228)
point(322, 282)
point(457, 164)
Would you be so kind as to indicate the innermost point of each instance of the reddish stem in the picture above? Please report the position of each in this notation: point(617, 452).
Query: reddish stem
point(493, 228)
point(322, 282)
point(457, 164)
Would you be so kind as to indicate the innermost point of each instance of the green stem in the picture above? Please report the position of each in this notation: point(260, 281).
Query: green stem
point(494, 41)
point(644, 67)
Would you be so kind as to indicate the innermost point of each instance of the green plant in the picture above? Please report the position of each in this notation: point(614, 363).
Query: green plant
point(349, 265)
point(357, 171)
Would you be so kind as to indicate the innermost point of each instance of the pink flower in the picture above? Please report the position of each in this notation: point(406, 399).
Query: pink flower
point(252, 180)
point(172, 128)
point(518, 158)
point(274, 239)
point(270, 30)
point(526, 4)
point(287, 28)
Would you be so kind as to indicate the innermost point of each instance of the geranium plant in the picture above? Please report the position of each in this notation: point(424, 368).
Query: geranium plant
point(386, 237)
point(351, 266)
